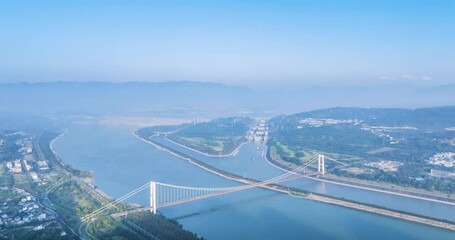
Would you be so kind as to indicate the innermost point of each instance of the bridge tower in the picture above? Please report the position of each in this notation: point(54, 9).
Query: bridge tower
point(321, 164)
point(153, 197)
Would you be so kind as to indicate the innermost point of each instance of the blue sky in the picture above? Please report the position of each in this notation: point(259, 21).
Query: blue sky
point(234, 42)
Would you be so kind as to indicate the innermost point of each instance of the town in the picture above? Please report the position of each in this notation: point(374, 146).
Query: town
point(446, 159)
point(312, 122)
point(23, 170)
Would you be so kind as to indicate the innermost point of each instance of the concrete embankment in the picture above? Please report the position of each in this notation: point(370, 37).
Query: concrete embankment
point(382, 211)
point(305, 194)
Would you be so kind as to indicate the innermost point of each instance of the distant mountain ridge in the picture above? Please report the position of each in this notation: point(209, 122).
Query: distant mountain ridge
point(208, 99)
point(108, 97)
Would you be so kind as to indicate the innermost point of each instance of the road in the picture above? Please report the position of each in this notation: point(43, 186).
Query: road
point(44, 196)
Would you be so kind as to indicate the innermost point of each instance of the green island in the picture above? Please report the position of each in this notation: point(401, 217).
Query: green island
point(216, 137)
point(42, 198)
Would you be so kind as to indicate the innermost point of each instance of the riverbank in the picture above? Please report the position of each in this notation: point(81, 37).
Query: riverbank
point(87, 181)
point(51, 146)
point(307, 195)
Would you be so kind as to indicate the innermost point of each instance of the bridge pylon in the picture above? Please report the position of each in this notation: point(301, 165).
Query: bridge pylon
point(321, 164)
point(153, 197)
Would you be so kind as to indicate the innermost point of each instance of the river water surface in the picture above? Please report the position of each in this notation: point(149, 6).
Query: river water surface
point(121, 163)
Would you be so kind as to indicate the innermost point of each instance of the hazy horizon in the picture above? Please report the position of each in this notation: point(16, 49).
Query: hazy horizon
point(252, 43)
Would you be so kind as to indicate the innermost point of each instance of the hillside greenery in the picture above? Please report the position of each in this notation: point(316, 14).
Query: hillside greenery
point(408, 137)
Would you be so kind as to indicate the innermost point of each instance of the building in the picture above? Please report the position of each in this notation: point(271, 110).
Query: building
point(42, 166)
point(14, 167)
point(27, 166)
point(41, 217)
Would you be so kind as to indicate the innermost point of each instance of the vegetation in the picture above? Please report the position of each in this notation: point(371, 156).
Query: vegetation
point(108, 228)
point(9, 150)
point(71, 202)
point(161, 227)
point(26, 232)
point(219, 136)
point(408, 137)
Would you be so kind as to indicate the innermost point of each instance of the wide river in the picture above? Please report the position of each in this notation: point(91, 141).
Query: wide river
point(121, 163)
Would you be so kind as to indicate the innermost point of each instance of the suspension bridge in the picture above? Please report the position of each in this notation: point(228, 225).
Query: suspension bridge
point(165, 195)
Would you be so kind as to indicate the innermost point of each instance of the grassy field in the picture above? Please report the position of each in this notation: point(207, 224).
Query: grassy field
point(293, 156)
point(21, 181)
point(213, 145)
point(72, 202)
point(26, 232)
point(219, 136)
point(108, 228)
point(207, 145)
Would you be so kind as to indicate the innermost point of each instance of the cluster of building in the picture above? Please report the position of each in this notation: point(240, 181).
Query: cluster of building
point(449, 141)
point(26, 146)
point(19, 209)
point(259, 133)
point(446, 159)
point(386, 166)
point(390, 129)
point(313, 122)
point(383, 132)
point(17, 167)
point(22, 209)
point(14, 166)
point(28, 165)
point(440, 173)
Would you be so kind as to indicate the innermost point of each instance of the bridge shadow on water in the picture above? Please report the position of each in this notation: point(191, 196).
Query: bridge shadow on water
point(228, 205)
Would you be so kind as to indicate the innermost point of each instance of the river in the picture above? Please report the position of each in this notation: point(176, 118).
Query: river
point(121, 163)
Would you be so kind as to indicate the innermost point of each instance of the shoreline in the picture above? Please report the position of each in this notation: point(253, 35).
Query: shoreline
point(51, 146)
point(104, 196)
point(316, 197)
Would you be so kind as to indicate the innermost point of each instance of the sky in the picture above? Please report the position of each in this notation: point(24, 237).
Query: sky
point(234, 42)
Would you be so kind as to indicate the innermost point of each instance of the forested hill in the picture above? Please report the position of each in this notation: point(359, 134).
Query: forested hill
point(392, 146)
point(436, 117)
